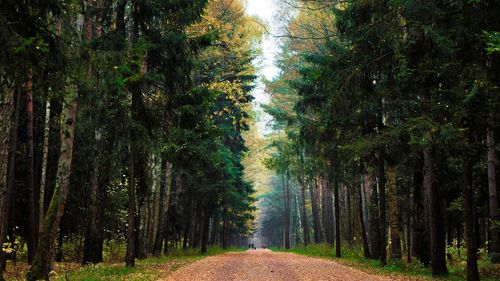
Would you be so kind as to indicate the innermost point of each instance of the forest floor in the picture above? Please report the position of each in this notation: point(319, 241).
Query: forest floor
point(145, 270)
point(353, 257)
point(149, 269)
point(264, 264)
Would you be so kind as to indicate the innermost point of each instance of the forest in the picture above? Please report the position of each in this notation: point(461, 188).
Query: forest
point(385, 115)
point(129, 131)
point(121, 123)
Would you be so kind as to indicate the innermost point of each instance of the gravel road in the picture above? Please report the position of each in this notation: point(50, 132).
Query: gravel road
point(261, 265)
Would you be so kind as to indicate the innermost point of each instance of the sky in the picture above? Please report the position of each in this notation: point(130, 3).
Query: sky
point(266, 11)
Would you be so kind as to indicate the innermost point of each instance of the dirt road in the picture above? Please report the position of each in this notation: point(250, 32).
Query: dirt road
point(261, 265)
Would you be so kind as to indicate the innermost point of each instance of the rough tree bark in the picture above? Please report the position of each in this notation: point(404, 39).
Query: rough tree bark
point(205, 228)
point(43, 180)
point(382, 211)
point(373, 215)
point(131, 229)
point(286, 218)
point(392, 199)
point(492, 187)
point(315, 213)
point(337, 215)
point(32, 228)
point(408, 225)
point(437, 237)
point(43, 259)
point(93, 242)
point(145, 202)
point(366, 248)
point(469, 214)
point(164, 207)
point(327, 212)
point(305, 227)
point(157, 186)
point(420, 245)
point(8, 128)
point(350, 224)
point(132, 197)
point(224, 229)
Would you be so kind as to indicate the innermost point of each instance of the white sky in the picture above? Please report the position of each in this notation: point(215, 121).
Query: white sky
point(266, 11)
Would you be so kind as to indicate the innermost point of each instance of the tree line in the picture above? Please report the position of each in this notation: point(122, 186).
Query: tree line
point(385, 117)
point(121, 122)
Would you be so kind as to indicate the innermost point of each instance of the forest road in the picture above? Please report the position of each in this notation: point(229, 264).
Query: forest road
point(265, 265)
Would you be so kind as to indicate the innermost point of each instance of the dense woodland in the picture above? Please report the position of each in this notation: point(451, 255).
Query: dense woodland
point(385, 118)
point(125, 127)
point(121, 124)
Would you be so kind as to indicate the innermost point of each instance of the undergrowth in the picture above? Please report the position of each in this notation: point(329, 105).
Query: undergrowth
point(145, 270)
point(354, 257)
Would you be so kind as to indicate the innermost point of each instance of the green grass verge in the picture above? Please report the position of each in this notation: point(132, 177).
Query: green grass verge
point(145, 270)
point(354, 257)
point(148, 269)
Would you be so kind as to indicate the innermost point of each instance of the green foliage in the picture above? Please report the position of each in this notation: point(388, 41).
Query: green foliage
point(148, 269)
point(388, 80)
point(354, 257)
point(493, 39)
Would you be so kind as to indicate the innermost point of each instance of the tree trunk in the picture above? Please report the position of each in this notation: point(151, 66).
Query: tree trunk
point(30, 174)
point(46, 132)
point(157, 185)
point(59, 247)
point(437, 237)
point(144, 197)
point(469, 213)
point(350, 224)
point(366, 249)
point(94, 236)
point(204, 230)
point(420, 245)
point(214, 231)
point(382, 211)
point(408, 225)
point(305, 227)
point(9, 134)
point(297, 225)
point(188, 223)
point(373, 216)
point(131, 230)
point(197, 225)
point(392, 199)
point(337, 215)
point(90, 230)
point(50, 227)
point(164, 207)
point(132, 197)
point(327, 212)
point(315, 214)
point(192, 222)
point(286, 219)
point(94, 231)
point(224, 229)
point(492, 187)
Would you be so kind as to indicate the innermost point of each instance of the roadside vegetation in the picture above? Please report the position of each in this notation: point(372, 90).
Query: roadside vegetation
point(353, 256)
point(113, 268)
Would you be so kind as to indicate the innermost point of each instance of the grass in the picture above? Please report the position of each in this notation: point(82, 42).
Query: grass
point(145, 270)
point(354, 257)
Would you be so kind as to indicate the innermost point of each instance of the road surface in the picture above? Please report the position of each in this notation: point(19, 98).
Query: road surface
point(261, 265)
